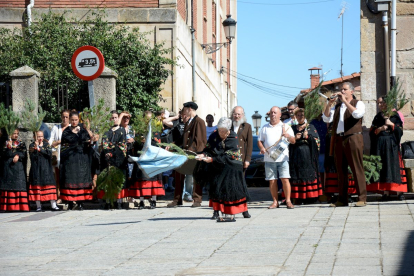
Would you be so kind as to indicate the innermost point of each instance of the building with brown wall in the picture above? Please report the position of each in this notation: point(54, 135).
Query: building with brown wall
point(170, 22)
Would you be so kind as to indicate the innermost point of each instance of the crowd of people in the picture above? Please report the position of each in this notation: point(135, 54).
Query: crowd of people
point(307, 159)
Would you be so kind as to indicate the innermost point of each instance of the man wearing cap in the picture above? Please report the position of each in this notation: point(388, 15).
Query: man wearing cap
point(193, 139)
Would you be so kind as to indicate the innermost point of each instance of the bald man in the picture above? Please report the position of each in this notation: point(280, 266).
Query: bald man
point(244, 135)
point(270, 137)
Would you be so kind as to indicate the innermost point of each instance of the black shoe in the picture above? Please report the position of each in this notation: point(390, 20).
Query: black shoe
point(80, 207)
point(215, 215)
point(401, 197)
point(141, 205)
point(246, 214)
point(118, 205)
point(70, 206)
point(153, 204)
point(136, 204)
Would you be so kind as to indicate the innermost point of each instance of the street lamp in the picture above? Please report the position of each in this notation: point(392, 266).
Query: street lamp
point(229, 26)
point(257, 121)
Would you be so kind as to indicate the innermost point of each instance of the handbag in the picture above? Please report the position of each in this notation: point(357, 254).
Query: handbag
point(407, 150)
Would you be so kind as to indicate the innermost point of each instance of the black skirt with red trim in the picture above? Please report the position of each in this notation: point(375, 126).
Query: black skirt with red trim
point(331, 184)
point(303, 190)
point(146, 188)
point(76, 194)
point(14, 201)
point(122, 194)
point(391, 186)
point(229, 207)
point(42, 193)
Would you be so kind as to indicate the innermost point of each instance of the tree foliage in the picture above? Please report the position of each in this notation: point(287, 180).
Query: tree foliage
point(8, 119)
point(97, 118)
point(51, 41)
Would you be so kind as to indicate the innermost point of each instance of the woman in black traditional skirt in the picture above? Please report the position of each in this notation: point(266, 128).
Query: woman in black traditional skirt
point(385, 134)
point(41, 178)
point(75, 162)
point(13, 186)
point(114, 153)
point(303, 156)
point(228, 190)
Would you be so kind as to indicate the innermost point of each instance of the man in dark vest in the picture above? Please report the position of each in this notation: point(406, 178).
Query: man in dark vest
point(347, 142)
point(194, 139)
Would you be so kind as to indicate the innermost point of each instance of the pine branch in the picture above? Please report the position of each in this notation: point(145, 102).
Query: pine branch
point(8, 120)
point(395, 99)
point(31, 118)
point(111, 180)
point(97, 118)
point(372, 168)
point(313, 106)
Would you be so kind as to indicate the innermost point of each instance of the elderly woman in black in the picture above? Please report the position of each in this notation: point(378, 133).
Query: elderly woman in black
point(228, 190)
point(75, 162)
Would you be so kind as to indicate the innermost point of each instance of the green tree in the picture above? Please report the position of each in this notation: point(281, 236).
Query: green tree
point(51, 41)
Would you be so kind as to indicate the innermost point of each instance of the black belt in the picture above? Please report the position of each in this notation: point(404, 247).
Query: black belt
point(342, 134)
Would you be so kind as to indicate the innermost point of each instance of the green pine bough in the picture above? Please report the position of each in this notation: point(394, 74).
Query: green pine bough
point(313, 106)
point(176, 149)
point(395, 100)
point(372, 167)
point(111, 180)
point(31, 118)
point(8, 120)
point(140, 124)
point(97, 119)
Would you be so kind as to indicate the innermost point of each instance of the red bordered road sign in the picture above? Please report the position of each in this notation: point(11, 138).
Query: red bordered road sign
point(87, 63)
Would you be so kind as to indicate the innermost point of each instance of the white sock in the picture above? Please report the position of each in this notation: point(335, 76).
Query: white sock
point(38, 204)
point(141, 198)
point(53, 204)
point(154, 198)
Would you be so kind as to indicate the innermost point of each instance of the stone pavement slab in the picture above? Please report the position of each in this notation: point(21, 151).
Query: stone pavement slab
point(309, 240)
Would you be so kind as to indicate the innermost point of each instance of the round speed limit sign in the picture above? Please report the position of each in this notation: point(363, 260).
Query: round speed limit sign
point(88, 63)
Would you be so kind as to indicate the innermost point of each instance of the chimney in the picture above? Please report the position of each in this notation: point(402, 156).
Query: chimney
point(314, 77)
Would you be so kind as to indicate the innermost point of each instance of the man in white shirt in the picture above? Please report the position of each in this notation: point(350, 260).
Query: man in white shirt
point(347, 142)
point(270, 136)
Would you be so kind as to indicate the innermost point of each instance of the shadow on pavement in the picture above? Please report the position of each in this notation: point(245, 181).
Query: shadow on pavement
point(183, 218)
point(112, 223)
point(406, 266)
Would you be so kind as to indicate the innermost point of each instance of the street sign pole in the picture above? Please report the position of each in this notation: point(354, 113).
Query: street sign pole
point(91, 95)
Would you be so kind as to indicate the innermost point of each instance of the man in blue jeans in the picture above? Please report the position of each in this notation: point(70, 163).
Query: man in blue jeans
point(273, 141)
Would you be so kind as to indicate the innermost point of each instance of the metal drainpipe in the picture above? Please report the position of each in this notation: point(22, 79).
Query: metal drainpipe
point(193, 52)
point(386, 50)
point(393, 41)
point(29, 13)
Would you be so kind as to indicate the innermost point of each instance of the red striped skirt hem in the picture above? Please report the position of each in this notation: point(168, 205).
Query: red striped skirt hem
point(76, 194)
point(392, 187)
point(42, 193)
point(146, 189)
point(14, 201)
point(122, 194)
point(331, 184)
point(229, 207)
point(304, 190)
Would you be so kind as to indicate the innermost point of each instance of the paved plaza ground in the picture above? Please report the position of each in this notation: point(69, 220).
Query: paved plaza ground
point(309, 240)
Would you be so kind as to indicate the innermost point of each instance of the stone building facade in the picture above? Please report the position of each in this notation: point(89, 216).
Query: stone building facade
point(169, 21)
point(372, 61)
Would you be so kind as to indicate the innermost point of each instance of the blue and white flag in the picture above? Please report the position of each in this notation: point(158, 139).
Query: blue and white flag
point(156, 160)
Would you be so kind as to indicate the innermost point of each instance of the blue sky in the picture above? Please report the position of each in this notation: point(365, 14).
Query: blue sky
point(279, 43)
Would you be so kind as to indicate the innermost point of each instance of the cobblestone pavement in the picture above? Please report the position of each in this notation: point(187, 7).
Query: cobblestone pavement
point(309, 240)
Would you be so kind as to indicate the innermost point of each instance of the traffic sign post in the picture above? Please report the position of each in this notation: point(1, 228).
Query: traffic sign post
point(88, 64)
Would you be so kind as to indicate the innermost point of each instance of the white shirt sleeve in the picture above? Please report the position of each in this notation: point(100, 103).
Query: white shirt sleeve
point(290, 131)
point(330, 118)
point(359, 111)
point(53, 135)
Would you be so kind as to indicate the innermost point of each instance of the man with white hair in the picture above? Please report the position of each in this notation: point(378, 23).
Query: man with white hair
point(273, 141)
point(244, 134)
